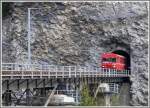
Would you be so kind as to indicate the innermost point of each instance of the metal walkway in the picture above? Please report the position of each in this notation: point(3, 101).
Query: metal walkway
point(23, 71)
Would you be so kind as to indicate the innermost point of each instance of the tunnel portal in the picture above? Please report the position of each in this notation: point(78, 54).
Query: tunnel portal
point(126, 55)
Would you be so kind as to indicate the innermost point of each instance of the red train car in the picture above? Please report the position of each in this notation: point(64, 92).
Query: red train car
point(113, 61)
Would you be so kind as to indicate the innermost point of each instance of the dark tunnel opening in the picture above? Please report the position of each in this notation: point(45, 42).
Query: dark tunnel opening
point(127, 57)
point(126, 84)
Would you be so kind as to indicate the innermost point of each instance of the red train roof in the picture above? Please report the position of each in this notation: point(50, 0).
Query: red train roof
point(109, 55)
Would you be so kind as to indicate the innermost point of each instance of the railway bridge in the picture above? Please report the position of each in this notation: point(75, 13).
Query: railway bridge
point(33, 75)
point(25, 71)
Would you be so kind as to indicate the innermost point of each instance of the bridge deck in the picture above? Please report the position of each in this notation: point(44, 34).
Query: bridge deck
point(25, 70)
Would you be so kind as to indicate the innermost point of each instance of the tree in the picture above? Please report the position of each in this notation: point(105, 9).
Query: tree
point(86, 98)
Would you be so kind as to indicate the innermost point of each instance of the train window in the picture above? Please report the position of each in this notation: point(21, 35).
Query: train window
point(113, 59)
point(104, 59)
point(109, 59)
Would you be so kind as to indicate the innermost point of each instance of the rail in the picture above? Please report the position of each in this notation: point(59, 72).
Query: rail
point(36, 70)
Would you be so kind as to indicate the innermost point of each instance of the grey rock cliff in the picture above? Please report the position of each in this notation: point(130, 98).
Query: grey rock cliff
point(78, 33)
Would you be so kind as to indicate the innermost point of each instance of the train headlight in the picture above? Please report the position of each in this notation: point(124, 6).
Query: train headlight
point(114, 66)
point(103, 66)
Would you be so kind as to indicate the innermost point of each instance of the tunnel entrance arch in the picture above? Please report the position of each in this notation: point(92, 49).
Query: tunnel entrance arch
point(126, 55)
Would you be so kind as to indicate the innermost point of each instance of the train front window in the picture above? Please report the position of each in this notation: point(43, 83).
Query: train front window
point(113, 59)
point(109, 59)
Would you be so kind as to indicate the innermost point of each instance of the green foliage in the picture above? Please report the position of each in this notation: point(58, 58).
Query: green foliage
point(115, 100)
point(86, 98)
point(100, 99)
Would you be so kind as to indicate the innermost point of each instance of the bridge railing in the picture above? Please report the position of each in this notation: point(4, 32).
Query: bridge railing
point(52, 70)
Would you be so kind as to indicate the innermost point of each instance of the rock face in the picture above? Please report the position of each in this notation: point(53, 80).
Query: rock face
point(78, 33)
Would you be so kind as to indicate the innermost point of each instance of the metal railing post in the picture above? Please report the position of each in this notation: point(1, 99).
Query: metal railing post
point(49, 69)
point(79, 69)
point(117, 88)
point(63, 71)
point(11, 74)
point(84, 74)
point(69, 71)
point(41, 72)
point(56, 70)
point(22, 73)
point(75, 71)
point(31, 70)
